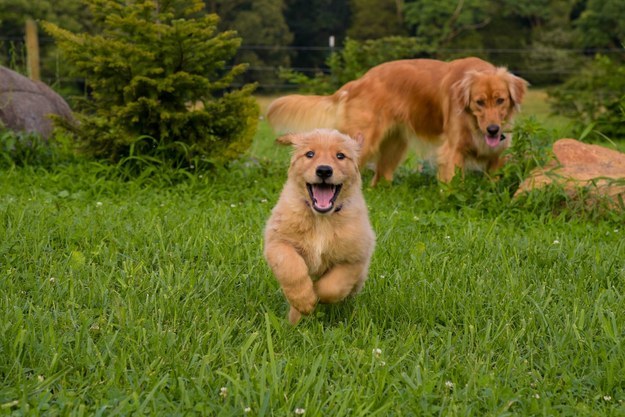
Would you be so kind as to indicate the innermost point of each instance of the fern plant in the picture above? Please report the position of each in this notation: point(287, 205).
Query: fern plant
point(158, 69)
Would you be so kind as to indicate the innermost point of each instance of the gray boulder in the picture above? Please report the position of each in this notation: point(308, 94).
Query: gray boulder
point(25, 105)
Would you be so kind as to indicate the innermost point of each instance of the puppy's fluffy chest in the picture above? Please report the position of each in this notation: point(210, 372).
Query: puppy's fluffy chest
point(324, 241)
point(323, 246)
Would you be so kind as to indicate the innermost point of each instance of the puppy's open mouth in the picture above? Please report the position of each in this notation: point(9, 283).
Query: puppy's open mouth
point(493, 141)
point(323, 195)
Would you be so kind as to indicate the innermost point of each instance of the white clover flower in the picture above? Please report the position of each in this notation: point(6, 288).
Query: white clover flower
point(449, 384)
point(98, 204)
point(52, 279)
point(223, 392)
point(377, 352)
point(537, 396)
point(299, 411)
point(247, 409)
point(556, 242)
point(607, 397)
point(233, 205)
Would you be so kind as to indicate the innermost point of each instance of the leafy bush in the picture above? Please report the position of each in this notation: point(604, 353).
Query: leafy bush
point(355, 59)
point(30, 149)
point(531, 148)
point(159, 70)
point(594, 98)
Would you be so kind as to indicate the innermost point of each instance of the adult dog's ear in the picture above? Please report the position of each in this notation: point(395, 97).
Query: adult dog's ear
point(517, 87)
point(360, 139)
point(288, 139)
point(461, 91)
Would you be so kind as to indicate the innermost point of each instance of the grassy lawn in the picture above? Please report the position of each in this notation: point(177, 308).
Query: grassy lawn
point(150, 296)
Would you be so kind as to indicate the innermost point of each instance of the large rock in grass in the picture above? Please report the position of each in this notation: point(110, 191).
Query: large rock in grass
point(579, 165)
point(25, 105)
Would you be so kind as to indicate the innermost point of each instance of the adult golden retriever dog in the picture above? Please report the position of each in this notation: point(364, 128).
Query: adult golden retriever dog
point(462, 108)
point(318, 240)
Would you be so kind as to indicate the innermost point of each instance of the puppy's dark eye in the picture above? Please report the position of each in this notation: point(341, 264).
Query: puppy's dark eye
point(480, 103)
point(310, 154)
point(340, 155)
point(500, 101)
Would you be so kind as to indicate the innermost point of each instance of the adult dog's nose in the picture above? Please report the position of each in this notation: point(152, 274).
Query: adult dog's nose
point(324, 171)
point(492, 129)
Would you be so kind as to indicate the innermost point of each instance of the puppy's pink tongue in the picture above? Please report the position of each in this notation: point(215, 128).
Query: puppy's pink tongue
point(323, 195)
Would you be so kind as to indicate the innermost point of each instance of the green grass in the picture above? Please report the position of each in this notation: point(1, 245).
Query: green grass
point(150, 296)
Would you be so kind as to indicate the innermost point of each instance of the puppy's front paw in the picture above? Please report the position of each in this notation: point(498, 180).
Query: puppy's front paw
point(303, 302)
point(294, 316)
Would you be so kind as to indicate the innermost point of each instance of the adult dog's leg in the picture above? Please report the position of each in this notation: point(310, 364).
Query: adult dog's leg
point(448, 160)
point(392, 152)
point(495, 164)
point(292, 274)
point(340, 281)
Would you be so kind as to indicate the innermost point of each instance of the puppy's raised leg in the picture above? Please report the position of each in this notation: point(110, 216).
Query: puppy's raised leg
point(340, 281)
point(292, 274)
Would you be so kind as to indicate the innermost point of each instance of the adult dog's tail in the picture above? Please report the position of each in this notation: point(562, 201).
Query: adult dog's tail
point(298, 113)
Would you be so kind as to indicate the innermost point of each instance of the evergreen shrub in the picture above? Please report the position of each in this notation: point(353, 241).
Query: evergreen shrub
point(160, 84)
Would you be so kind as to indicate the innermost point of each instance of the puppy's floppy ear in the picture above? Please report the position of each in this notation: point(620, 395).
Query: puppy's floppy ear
point(518, 88)
point(287, 139)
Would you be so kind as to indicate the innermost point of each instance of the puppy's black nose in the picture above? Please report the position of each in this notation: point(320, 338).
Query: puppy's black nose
point(324, 171)
point(492, 130)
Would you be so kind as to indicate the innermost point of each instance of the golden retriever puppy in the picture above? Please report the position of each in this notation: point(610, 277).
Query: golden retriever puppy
point(318, 240)
point(462, 108)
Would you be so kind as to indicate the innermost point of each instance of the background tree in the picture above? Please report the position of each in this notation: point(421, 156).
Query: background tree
point(312, 22)
point(601, 24)
point(265, 34)
point(375, 19)
point(546, 54)
point(356, 58)
point(441, 23)
point(150, 61)
point(70, 14)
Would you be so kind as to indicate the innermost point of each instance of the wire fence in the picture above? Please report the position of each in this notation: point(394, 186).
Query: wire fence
point(531, 63)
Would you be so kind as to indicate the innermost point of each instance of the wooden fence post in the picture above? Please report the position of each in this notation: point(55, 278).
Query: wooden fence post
point(32, 50)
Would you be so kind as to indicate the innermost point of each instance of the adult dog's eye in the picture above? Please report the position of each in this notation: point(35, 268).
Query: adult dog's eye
point(340, 155)
point(310, 154)
point(500, 101)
